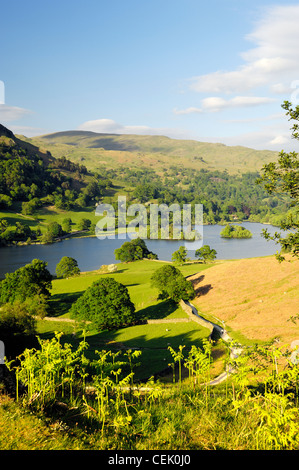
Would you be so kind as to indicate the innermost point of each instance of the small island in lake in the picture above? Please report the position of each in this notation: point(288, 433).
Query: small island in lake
point(235, 231)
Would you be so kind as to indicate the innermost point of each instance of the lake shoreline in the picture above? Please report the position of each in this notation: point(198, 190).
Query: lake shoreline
point(91, 253)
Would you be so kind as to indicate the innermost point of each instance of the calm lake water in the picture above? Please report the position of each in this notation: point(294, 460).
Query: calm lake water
point(91, 253)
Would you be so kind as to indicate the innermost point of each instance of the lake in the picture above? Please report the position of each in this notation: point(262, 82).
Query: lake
point(91, 252)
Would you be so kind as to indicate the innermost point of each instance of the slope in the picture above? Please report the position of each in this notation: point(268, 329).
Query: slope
point(255, 297)
point(158, 152)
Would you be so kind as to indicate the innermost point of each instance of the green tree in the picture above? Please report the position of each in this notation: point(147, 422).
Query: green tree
point(107, 304)
point(206, 253)
point(180, 256)
point(28, 281)
point(172, 284)
point(134, 250)
point(55, 229)
point(282, 178)
point(18, 328)
point(84, 224)
point(67, 225)
point(67, 267)
point(3, 225)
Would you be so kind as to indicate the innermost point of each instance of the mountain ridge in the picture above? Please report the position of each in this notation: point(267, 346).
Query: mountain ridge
point(153, 151)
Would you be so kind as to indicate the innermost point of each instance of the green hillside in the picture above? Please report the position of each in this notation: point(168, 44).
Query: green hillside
point(110, 150)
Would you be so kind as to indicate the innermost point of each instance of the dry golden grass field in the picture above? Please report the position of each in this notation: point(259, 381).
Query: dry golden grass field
point(255, 297)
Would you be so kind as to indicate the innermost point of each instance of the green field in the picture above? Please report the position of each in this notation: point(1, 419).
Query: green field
point(152, 339)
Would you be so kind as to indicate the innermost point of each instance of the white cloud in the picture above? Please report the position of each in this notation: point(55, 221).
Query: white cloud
point(190, 110)
point(12, 113)
point(274, 59)
point(215, 103)
point(280, 140)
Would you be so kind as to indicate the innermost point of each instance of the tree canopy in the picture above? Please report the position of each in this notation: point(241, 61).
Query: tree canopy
point(172, 284)
point(107, 304)
point(282, 178)
point(26, 282)
point(67, 267)
point(235, 231)
point(134, 250)
point(180, 256)
point(206, 253)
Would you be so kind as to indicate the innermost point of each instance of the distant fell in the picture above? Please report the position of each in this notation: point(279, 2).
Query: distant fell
point(154, 150)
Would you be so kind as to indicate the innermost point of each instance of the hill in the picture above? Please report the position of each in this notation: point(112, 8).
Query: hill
point(254, 297)
point(23, 163)
point(9, 140)
point(35, 187)
point(149, 151)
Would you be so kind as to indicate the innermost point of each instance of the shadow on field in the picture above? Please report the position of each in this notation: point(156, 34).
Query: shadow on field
point(59, 304)
point(199, 289)
point(155, 360)
point(157, 312)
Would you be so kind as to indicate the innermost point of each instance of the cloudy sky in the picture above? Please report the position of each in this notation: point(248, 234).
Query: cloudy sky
point(214, 71)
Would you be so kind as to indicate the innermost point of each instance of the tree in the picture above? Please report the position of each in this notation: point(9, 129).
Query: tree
point(134, 250)
point(55, 229)
point(67, 225)
point(67, 267)
point(18, 328)
point(26, 282)
point(282, 178)
point(172, 284)
point(180, 256)
point(107, 304)
point(84, 224)
point(206, 253)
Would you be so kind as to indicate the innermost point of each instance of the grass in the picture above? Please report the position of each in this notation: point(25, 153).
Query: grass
point(135, 276)
point(153, 339)
point(254, 297)
point(23, 430)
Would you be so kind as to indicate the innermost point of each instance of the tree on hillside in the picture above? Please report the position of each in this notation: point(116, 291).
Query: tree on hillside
point(172, 284)
point(180, 256)
point(282, 178)
point(29, 281)
point(206, 253)
point(134, 250)
point(107, 304)
point(67, 267)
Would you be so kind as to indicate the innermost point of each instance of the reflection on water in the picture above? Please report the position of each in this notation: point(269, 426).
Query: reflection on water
point(91, 253)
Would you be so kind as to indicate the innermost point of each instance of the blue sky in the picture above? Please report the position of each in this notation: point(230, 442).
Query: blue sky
point(214, 71)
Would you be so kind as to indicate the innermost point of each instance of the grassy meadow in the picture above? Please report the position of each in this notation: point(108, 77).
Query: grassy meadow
point(152, 338)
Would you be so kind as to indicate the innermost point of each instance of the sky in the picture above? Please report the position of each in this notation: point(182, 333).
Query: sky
point(215, 71)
